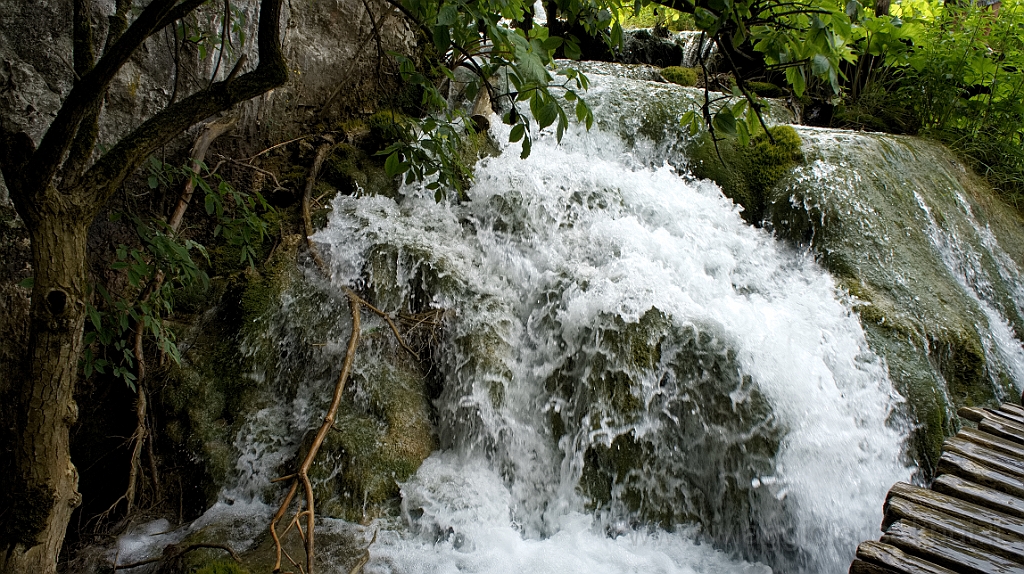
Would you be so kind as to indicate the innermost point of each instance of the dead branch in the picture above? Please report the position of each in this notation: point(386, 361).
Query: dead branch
point(172, 552)
point(302, 476)
point(321, 154)
point(390, 321)
point(270, 174)
point(275, 146)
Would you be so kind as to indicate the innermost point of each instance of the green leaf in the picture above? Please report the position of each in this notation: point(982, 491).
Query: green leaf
point(27, 283)
point(442, 39)
point(795, 77)
point(724, 122)
point(572, 48)
point(517, 133)
point(547, 114)
point(819, 64)
point(447, 15)
point(526, 148)
point(391, 165)
point(552, 43)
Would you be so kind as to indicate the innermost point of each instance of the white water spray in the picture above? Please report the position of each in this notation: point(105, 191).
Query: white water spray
point(624, 355)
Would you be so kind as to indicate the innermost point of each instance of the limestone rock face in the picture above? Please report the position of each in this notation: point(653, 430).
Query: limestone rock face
point(330, 48)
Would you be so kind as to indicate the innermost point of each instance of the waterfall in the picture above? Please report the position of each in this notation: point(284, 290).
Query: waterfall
point(624, 376)
point(630, 372)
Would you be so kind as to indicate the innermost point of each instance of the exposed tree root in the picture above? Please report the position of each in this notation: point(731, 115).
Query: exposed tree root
point(142, 433)
point(322, 152)
point(302, 476)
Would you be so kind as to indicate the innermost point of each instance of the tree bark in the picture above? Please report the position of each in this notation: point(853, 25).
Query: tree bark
point(45, 482)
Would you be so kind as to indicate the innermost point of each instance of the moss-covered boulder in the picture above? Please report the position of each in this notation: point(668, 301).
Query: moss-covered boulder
point(382, 434)
point(747, 174)
point(910, 236)
point(649, 399)
point(680, 75)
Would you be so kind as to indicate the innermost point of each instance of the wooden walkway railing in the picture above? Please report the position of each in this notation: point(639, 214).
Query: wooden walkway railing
point(971, 521)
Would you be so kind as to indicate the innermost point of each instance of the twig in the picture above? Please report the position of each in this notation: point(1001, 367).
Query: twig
point(387, 318)
point(365, 557)
point(318, 161)
point(275, 146)
point(270, 174)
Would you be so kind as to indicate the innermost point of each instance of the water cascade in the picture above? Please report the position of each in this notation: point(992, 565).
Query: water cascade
point(623, 359)
point(624, 376)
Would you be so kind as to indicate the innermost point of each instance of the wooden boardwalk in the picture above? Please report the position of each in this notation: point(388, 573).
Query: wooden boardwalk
point(971, 520)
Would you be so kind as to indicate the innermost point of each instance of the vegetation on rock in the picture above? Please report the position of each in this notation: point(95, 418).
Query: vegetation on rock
point(679, 75)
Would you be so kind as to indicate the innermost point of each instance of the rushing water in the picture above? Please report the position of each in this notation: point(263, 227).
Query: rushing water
point(630, 373)
point(632, 378)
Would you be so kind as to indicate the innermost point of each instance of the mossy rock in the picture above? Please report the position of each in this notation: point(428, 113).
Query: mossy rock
point(748, 174)
point(350, 170)
point(687, 380)
point(387, 127)
point(382, 433)
point(680, 75)
point(766, 90)
point(873, 220)
point(207, 398)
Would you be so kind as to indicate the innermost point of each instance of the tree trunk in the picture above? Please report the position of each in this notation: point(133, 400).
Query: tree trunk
point(45, 481)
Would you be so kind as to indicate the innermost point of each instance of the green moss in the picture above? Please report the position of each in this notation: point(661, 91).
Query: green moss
point(766, 90)
point(208, 396)
point(748, 174)
point(387, 127)
point(381, 436)
point(607, 386)
point(222, 567)
point(680, 75)
point(865, 223)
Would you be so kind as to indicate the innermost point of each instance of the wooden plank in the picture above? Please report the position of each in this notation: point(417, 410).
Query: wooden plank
point(985, 456)
point(990, 422)
point(1007, 414)
point(963, 489)
point(993, 442)
point(1002, 429)
point(995, 541)
point(859, 566)
point(1010, 407)
point(973, 414)
point(945, 551)
point(896, 560)
point(978, 414)
point(953, 463)
point(954, 506)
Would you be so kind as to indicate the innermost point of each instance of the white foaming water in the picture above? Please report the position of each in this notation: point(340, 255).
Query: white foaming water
point(624, 354)
point(964, 263)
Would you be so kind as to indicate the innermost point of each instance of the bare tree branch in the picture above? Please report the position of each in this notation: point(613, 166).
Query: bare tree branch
point(110, 171)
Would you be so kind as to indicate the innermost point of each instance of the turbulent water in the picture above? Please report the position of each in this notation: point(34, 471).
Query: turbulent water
point(634, 379)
